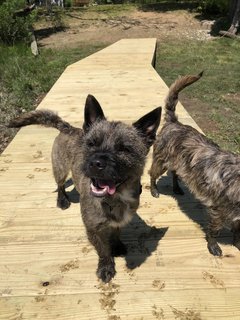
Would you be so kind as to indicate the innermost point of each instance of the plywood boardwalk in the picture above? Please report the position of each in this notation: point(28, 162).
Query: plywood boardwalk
point(47, 266)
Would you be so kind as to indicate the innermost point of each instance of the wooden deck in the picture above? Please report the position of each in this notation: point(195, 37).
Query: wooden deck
point(47, 266)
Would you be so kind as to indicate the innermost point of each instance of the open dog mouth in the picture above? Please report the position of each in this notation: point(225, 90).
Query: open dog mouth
point(101, 188)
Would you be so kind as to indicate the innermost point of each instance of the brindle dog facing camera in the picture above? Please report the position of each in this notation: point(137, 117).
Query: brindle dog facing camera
point(106, 159)
point(211, 174)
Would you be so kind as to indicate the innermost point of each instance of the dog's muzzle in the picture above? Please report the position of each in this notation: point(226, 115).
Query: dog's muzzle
point(102, 181)
point(101, 170)
point(101, 188)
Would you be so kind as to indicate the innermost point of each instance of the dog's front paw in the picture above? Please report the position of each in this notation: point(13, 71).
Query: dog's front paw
point(214, 249)
point(106, 272)
point(119, 249)
point(63, 203)
point(236, 243)
point(154, 192)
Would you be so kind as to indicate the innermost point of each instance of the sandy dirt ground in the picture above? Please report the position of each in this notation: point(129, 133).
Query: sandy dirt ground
point(134, 24)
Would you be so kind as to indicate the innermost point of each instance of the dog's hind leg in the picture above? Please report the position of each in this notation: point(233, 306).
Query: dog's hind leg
point(157, 169)
point(61, 168)
point(176, 188)
point(214, 227)
point(236, 233)
point(62, 198)
point(60, 173)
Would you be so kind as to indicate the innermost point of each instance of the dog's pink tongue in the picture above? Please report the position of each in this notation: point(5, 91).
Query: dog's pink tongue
point(109, 185)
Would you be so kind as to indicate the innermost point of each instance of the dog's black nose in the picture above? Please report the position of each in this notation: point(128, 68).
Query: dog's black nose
point(97, 164)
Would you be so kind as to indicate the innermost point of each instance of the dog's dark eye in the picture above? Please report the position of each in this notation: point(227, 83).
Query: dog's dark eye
point(123, 148)
point(90, 144)
point(96, 142)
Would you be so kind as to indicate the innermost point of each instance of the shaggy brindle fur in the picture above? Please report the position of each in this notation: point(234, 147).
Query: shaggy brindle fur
point(106, 160)
point(211, 174)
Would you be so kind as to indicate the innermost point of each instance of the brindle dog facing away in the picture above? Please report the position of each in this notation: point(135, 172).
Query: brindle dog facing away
point(211, 174)
point(107, 161)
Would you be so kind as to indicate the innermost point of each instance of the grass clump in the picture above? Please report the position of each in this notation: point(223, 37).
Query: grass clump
point(14, 28)
point(218, 90)
point(25, 79)
point(107, 11)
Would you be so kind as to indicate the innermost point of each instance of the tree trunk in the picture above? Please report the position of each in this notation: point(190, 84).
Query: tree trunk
point(236, 18)
point(232, 9)
point(24, 12)
point(49, 6)
point(234, 14)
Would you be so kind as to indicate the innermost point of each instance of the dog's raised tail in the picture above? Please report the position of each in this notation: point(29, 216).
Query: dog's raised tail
point(172, 97)
point(45, 118)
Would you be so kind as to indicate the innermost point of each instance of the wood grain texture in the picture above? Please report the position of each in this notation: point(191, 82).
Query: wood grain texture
point(47, 266)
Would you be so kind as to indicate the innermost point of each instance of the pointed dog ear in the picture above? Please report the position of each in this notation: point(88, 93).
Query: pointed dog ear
point(148, 125)
point(92, 112)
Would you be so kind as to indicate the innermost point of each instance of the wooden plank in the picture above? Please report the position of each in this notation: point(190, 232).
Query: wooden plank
point(47, 266)
point(115, 304)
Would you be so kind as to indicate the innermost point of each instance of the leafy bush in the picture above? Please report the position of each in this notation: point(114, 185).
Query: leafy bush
point(13, 28)
point(57, 18)
point(214, 6)
point(68, 3)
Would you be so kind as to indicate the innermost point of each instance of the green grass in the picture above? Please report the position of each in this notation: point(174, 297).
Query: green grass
point(219, 88)
point(108, 11)
point(23, 77)
point(111, 9)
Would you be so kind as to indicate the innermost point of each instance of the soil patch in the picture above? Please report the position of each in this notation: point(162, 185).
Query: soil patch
point(135, 24)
